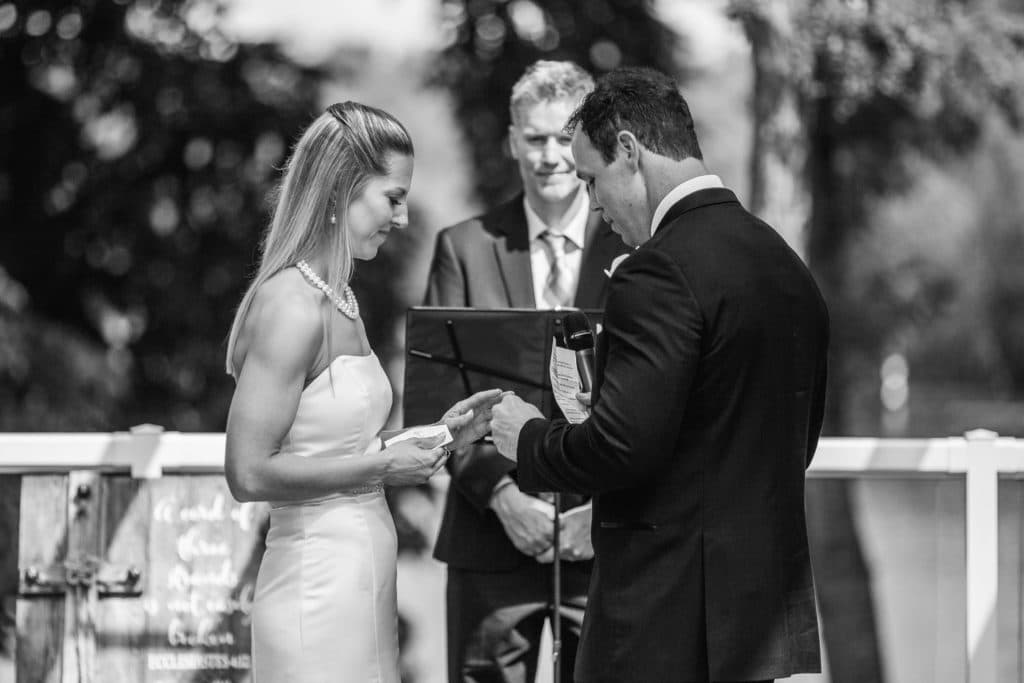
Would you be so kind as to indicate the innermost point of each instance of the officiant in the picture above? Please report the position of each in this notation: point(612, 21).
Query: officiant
point(541, 249)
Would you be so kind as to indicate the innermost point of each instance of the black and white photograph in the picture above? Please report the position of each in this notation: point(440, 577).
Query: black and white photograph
point(511, 341)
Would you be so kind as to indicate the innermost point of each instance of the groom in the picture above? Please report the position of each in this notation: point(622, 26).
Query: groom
point(707, 410)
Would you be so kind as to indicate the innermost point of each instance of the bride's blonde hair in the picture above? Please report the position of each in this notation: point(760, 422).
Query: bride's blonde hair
point(335, 157)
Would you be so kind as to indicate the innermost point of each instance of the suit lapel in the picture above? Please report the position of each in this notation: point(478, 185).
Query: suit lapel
point(601, 247)
point(512, 251)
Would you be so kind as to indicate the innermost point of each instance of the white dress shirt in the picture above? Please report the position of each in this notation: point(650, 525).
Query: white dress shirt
point(575, 231)
point(701, 182)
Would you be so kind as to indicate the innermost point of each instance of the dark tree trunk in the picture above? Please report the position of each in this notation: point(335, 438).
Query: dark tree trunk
point(778, 157)
point(795, 186)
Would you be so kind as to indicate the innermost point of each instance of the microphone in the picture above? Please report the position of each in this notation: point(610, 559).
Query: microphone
point(578, 337)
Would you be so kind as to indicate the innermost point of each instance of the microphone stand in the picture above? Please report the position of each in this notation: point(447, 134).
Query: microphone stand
point(556, 595)
point(579, 338)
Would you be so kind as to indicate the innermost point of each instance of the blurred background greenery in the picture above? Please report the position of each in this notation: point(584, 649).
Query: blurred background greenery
point(140, 141)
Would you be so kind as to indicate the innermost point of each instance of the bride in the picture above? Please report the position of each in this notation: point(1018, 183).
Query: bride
point(310, 401)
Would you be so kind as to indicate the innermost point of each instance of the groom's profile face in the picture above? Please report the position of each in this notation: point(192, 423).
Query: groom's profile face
point(613, 189)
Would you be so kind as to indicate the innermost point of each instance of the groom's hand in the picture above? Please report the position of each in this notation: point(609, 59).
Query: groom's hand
point(469, 419)
point(507, 419)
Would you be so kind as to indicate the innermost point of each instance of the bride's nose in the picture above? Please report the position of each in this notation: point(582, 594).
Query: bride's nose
point(400, 217)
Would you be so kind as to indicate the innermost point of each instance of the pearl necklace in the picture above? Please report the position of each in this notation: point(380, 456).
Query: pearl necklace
point(348, 306)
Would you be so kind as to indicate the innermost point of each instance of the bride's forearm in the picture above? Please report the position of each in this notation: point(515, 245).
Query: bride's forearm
point(288, 477)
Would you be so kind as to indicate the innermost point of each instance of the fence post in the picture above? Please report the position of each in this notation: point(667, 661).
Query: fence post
point(982, 474)
point(145, 439)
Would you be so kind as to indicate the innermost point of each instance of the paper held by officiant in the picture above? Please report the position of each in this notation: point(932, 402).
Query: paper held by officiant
point(565, 384)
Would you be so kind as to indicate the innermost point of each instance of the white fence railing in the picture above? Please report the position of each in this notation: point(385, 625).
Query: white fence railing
point(980, 457)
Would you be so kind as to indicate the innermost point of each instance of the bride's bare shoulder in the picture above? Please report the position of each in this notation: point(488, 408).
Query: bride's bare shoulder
point(287, 299)
point(285, 317)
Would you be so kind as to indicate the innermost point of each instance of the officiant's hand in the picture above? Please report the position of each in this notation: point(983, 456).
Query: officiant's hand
point(469, 419)
point(574, 535)
point(507, 419)
point(526, 520)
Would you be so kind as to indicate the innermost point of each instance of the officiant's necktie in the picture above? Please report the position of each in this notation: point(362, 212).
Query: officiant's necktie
point(559, 288)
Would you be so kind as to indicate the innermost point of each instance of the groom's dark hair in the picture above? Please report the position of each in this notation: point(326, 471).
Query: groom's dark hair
point(643, 101)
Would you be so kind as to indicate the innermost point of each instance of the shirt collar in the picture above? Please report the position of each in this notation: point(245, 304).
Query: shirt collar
point(701, 182)
point(575, 229)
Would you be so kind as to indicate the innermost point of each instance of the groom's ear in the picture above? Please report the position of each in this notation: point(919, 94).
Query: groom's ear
point(628, 149)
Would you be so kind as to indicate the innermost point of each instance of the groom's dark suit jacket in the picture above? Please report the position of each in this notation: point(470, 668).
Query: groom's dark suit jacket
point(712, 383)
point(485, 263)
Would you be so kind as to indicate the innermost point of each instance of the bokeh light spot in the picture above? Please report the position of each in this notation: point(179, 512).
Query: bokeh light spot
point(605, 55)
point(269, 149)
point(527, 20)
point(118, 260)
point(38, 23)
point(56, 80)
point(164, 216)
point(8, 16)
point(59, 200)
point(490, 32)
point(201, 17)
point(895, 376)
point(70, 25)
point(549, 41)
point(115, 328)
point(202, 207)
point(112, 134)
point(198, 153)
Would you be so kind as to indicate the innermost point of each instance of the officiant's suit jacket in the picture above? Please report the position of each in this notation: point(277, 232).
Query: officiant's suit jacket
point(709, 405)
point(485, 263)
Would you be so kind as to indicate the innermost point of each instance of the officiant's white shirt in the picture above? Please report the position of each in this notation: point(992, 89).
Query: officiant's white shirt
point(540, 259)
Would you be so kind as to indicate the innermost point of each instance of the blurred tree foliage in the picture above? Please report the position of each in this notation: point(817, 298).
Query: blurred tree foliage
point(849, 96)
point(138, 145)
point(491, 42)
point(853, 101)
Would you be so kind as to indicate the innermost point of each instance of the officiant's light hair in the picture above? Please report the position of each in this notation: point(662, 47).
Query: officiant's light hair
point(548, 81)
point(337, 154)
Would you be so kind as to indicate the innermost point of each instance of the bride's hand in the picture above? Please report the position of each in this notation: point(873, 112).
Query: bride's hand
point(413, 461)
point(470, 419)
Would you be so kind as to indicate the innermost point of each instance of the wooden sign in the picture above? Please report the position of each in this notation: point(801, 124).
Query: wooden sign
point(140, 581)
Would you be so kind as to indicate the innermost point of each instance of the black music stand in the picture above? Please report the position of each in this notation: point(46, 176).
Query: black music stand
point(452, 353)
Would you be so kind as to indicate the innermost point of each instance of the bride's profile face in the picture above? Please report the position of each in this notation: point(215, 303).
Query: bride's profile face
point(380, 207)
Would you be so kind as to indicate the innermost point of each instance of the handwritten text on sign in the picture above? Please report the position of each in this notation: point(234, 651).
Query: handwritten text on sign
point(202, 583)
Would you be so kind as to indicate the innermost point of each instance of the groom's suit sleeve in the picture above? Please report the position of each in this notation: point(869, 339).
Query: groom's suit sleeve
point(476, 469)
point(653, 325)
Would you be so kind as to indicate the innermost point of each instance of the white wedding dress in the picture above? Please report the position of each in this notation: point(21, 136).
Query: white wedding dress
point(325, 609)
